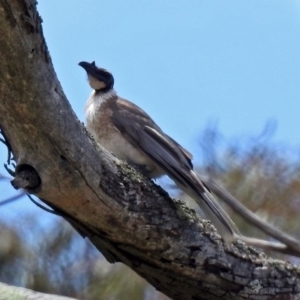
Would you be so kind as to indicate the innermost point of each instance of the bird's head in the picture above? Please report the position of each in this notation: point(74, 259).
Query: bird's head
point(99, 79)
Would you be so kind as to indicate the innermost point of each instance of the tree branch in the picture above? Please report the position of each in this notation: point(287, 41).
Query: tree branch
point(126, 216)
point(12, 292)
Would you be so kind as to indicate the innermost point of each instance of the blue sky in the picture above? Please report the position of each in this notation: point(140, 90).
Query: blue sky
point(185, 62)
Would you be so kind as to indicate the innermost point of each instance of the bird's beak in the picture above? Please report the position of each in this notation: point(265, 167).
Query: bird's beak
point(90, 68)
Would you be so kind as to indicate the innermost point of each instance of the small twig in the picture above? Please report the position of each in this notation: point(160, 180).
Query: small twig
point(51, 211)
point(82, 229)
point(12, 199)
point(6, 143)
point(9, 171)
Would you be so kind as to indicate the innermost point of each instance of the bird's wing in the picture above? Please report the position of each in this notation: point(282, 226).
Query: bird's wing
point(141, 131)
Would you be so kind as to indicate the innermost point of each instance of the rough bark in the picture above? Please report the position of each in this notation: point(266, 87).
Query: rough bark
point(127, 217)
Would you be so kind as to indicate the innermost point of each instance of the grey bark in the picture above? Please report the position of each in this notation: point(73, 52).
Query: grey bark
point(127, 217)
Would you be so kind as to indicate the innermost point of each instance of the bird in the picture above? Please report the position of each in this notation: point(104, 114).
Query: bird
point(128, 132)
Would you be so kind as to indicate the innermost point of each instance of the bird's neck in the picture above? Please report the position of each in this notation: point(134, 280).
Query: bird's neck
point(96, 99)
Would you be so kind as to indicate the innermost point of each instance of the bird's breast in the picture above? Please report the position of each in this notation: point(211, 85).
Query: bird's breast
point(99, 124)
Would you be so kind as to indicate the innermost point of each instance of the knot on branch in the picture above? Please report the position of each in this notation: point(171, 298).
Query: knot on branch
point(26, 177)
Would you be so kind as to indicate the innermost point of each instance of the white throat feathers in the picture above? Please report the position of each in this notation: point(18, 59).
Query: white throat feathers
point(95, 83)
point(95, 101)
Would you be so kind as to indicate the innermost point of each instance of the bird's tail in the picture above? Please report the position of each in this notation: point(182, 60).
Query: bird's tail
point(211, 208)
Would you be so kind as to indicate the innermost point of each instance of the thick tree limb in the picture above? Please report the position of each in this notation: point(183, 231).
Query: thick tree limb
point(126, 216)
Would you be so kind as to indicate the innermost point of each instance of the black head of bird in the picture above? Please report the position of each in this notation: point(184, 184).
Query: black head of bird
point(99, 79)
